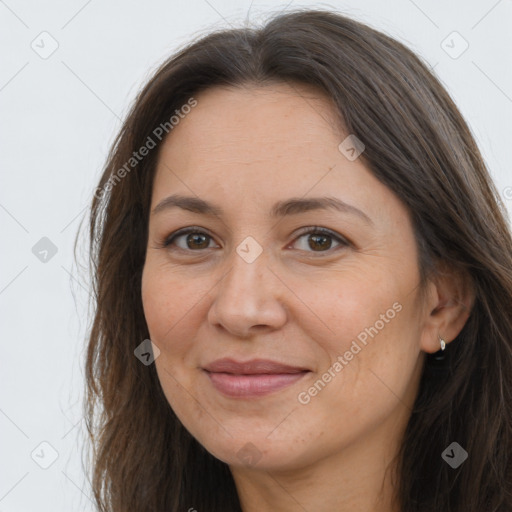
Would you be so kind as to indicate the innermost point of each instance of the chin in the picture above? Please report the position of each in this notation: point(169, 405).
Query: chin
point(256, 452)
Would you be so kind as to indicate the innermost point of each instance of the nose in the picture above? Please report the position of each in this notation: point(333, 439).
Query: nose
point(248, 298)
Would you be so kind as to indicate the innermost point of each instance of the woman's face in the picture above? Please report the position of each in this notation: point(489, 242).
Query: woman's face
point(336, 312)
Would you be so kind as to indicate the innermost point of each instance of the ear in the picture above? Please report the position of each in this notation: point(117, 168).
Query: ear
point(451, 297)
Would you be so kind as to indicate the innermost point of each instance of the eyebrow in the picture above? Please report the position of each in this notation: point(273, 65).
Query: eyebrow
point(284, 208)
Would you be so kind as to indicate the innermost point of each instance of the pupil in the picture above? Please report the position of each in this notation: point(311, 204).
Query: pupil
point(193, 237)
point(316, 239)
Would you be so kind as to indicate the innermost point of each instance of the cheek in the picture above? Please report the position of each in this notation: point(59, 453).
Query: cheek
point(169, 303)
point(174, 308)
point(170, 306)
point(372, 382)
point(370, 331)
point(355, 301)
point(156, 300)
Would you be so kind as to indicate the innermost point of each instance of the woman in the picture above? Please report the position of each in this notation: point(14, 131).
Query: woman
point(303, 276)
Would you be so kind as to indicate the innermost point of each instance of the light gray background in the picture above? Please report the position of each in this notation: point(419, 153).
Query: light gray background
point(59, 117)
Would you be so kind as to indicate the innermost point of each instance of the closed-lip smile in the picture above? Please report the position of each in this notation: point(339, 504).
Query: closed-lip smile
point(253, 378)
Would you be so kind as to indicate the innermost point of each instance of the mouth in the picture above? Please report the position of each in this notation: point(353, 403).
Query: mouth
point(254, 378)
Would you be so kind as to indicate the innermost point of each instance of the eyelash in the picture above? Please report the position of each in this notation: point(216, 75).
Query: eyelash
point(317, 230)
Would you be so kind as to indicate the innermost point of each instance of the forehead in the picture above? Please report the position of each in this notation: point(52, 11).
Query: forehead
point(280, 116)
point(250, 147)
point(254, 129)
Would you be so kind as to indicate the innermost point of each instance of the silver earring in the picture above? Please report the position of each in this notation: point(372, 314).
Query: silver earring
point(442, 342)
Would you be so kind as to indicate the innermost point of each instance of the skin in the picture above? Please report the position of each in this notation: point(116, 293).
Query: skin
point(298, 302)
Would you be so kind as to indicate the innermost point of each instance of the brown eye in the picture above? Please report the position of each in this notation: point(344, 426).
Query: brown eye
point(197, 241)
point(193, 240)
point(321, 240)
point(316, 240)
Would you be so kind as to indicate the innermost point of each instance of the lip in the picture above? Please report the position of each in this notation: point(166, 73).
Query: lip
point(254, 378)
point(251, 367)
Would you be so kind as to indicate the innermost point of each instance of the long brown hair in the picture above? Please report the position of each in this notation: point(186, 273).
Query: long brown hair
point(419, 146)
